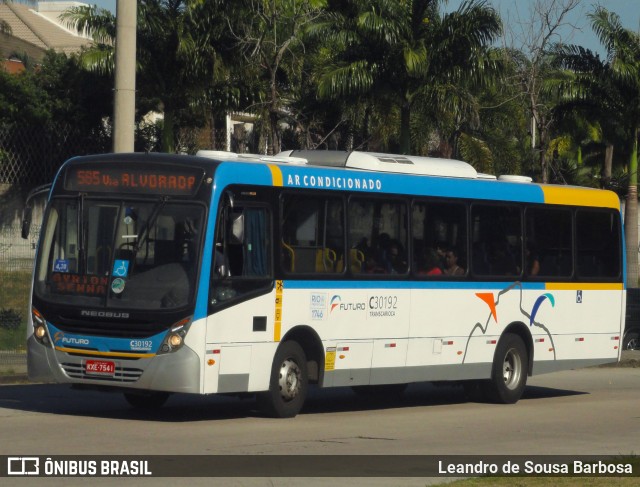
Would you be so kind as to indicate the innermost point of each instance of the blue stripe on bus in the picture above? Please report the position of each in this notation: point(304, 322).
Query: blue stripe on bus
point(370, 182)
point(311, 177)
point(355, 285)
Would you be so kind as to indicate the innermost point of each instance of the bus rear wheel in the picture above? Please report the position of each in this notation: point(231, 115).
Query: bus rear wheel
point(631, 341)
point(288, 383)
point(509, 371)
point(147, 400)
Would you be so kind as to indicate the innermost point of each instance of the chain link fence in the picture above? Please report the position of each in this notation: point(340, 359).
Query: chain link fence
point(30, 156)
point(16, 266)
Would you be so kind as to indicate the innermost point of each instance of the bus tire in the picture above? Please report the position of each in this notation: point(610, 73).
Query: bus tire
point(147, 400)
point(288, 383)
point(509, 371)
point(631, 341)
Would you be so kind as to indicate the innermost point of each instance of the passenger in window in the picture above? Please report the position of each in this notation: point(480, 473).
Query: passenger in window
point(372, 265)
point(430, 263)
point(377, 256)
point(441, 250)
point(533, 262)
point(382, 252)
point(452, 267)
point(397, 262)
point(501, 260)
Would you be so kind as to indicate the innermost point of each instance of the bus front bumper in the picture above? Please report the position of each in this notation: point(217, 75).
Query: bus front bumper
point(178, 371)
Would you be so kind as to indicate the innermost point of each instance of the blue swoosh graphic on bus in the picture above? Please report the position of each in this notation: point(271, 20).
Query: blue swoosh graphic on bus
point(537, 304)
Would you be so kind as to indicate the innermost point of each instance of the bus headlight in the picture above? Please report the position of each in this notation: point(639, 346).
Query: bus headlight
point(175, 337)
point(39, 328)
point(175, 340)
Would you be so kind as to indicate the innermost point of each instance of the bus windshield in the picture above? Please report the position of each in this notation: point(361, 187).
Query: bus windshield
point(119, 254)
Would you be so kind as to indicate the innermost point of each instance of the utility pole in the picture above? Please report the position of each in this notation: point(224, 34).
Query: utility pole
point(124, 113)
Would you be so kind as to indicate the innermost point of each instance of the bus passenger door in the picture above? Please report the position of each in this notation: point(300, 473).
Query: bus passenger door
point(241, 300)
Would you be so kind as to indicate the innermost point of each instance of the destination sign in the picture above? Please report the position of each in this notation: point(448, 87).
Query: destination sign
point(182, 181)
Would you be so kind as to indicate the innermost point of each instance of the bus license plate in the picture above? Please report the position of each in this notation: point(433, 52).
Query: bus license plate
point(100, 367)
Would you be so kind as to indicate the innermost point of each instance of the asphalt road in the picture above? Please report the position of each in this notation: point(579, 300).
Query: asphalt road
point(589, 411)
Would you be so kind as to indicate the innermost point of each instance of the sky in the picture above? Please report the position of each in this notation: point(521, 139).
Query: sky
point(516, 13)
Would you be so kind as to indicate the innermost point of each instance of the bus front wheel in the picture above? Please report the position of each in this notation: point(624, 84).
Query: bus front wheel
point(288, 383)
point(509, 371)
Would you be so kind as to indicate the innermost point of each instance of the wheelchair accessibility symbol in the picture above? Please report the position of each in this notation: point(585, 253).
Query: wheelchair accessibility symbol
point(120, 268)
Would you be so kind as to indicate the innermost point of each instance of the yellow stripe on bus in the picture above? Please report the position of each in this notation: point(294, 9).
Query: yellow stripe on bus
point(579, 286)
point(105, 354)
point(565, 195)
point(277, 321)
point(276, 175)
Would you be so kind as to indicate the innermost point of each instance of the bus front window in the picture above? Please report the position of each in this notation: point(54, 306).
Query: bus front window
point(140, 255)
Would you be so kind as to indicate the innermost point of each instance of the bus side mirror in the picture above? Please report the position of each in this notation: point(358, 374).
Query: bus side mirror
point(26, 221)
point(28, 208)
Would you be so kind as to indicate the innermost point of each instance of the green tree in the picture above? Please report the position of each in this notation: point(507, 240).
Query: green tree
point(58, 91)
point(49, 114)
point(401, 53)
point(504, 123)
point(175, 64)
point(22, 101)
point(270, 36)
point(615, 83)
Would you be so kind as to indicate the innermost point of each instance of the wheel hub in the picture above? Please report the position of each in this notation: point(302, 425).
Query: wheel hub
point(511, 369)
point(289, 380)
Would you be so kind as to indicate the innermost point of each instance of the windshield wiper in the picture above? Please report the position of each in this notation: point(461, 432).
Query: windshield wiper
point(82, 264)
point(144, 232)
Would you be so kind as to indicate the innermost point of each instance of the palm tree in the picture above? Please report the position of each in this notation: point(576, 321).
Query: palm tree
point(615, 84)
point(406, 53)
point(269, 34)
point(173, 63)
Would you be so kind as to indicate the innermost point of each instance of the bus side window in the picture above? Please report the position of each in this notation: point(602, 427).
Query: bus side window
point(548, 243)
point(496, 242)
point(437, 228)
point(378, 236)
point(312, 234)
point(597, 241)
point(241, 264)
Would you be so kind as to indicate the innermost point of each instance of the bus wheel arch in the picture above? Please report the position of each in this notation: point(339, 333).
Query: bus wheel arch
point(520, 329)
point(311, 344)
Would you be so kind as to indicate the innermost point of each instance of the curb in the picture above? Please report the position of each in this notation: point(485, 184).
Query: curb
point(14, 379)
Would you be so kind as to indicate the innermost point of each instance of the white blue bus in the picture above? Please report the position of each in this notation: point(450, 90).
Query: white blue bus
point(224, 273)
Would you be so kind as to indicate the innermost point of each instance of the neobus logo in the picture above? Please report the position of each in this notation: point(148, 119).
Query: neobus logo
point(60, 337)
point(103, 314)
